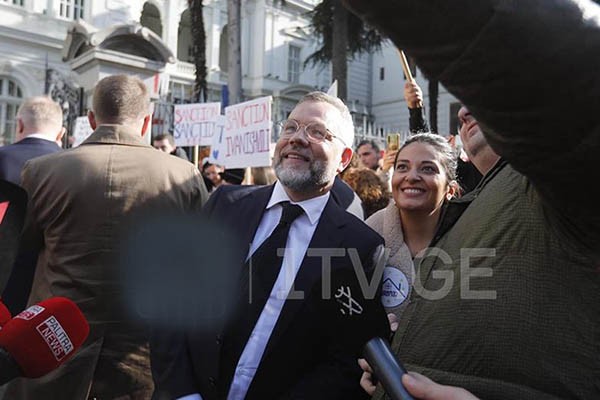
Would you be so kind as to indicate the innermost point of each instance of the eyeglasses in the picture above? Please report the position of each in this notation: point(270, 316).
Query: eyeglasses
point(315, 132)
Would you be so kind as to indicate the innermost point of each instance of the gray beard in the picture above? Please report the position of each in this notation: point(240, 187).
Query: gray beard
point(319, 174)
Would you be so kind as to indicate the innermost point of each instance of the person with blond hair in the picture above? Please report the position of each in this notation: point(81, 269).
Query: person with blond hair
point(39, 132)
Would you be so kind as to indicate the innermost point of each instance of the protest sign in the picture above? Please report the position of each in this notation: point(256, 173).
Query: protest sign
point(193, 124)
point(247, 135)
point(81, 130)
point(217, 148)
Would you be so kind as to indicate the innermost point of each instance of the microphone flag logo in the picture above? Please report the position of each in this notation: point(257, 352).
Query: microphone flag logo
point(30, 313)
point(55, 336)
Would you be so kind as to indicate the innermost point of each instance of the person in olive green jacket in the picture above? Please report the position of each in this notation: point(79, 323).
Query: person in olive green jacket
point(509, 306)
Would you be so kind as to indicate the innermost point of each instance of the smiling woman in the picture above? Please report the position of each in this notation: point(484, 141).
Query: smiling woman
point(423, 180)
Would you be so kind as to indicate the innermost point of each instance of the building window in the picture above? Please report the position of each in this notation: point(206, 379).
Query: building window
point(11, 97)
point(381, 73)
point(294, 64)
point(71, 9)
point(223, 50)
point(185, 49)
point(150, 18)
point(14, 2)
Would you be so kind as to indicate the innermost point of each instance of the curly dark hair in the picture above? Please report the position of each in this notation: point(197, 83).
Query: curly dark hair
point(371, 190)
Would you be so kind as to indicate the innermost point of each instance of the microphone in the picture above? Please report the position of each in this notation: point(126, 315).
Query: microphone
point(41, 338)
point(386, 368)
point(4, 314)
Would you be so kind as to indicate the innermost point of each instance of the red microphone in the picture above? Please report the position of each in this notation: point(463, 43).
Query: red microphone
point(4, 314)
point(41, 338)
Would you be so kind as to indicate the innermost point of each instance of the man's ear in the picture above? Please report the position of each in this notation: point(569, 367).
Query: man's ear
point(346, 158)
point(20, 128)
point(92, 119)
point(60, 135)
point(146, 126)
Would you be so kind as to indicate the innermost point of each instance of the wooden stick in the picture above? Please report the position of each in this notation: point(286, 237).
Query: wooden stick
point(405, 66)
point(407, 72)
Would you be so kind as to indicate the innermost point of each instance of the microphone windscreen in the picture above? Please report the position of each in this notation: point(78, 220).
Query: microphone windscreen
point(4, 314)
point(45, 335)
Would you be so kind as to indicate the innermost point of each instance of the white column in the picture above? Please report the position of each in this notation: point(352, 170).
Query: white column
point(256, 44)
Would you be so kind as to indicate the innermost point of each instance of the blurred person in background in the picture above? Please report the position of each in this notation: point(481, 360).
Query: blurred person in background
point(166, 143)
point(39, 131)
point(212, 175)
point(260, 176)
point(372, 192)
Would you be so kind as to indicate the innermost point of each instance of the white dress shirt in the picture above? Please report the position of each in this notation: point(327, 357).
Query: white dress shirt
point(299, 237)
point(41, 136)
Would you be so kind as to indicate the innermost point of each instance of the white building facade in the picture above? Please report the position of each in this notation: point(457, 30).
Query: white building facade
point(66, 46)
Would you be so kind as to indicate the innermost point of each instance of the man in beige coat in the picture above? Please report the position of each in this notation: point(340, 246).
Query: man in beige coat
point(80, 201)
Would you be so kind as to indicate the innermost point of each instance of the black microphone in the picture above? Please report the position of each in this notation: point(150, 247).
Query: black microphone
point(386, 368)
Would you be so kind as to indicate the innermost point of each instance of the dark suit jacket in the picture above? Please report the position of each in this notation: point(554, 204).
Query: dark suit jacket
point(12, 159)
point(313, 350)
point(14, 156)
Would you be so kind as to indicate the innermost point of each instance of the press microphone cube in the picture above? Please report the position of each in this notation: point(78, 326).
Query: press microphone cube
point(44, 336)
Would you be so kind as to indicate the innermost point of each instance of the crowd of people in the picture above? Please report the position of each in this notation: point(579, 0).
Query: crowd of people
point(482, 274)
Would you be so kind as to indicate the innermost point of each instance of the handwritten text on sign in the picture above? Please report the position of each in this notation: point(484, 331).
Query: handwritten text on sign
point(248, 134)
point(81, 131)
point(194, 124)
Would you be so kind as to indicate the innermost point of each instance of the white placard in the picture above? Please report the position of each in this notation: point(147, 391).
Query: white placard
point(247, 135)
point(193, 124)
point(217, 148)
point(81, 130)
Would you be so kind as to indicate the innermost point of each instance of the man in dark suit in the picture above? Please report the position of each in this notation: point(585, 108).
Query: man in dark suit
point(39, 128)
point(301, 320)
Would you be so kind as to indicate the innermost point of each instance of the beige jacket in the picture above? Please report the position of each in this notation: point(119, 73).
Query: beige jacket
point(80, 200)
point(399, 272)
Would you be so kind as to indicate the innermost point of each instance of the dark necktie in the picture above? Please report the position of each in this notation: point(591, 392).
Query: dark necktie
point(264, 264)
point(258, 277)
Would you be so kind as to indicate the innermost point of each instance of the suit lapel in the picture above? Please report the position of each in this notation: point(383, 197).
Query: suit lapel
point(248, 215)
point(326, 236)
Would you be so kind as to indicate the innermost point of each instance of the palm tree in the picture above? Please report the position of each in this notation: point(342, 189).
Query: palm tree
point(234, 39)
point(199, 46)
point(342, 34)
